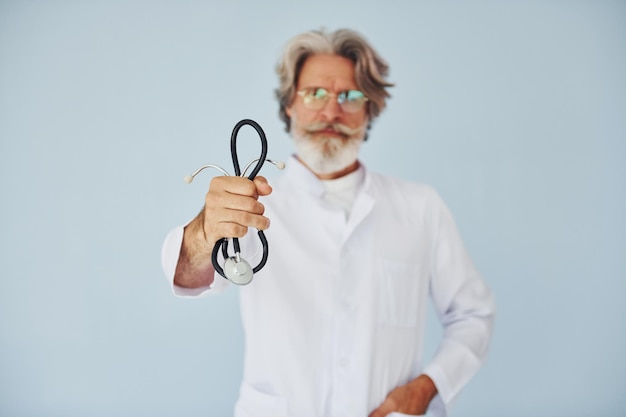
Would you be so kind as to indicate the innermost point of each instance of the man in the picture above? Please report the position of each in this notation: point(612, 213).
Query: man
point(334, 322)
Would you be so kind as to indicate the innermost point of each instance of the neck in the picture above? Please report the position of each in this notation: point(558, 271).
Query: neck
point(334, 175)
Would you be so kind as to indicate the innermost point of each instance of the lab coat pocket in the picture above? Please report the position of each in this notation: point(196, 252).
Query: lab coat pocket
point(254, 403)
point(399, 295)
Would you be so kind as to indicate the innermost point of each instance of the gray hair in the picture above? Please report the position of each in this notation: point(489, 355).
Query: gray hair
point(370, 69)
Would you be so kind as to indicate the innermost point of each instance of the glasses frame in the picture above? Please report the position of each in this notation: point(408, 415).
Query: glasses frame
point(312, 102)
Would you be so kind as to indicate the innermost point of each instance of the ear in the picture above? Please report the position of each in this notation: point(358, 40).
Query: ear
point(288, 111)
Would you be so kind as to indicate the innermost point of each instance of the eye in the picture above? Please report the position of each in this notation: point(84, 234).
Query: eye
point(353, 95)
point(319, 93)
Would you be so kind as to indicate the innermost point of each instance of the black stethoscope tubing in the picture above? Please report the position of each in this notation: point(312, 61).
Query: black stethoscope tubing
point(223, 242)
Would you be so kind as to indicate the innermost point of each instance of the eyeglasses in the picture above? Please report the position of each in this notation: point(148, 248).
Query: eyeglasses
point(315, 98)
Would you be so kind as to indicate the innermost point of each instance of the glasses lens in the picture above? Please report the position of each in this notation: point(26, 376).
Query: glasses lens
point(315, 98)
point(352, 100)
point(320, 93)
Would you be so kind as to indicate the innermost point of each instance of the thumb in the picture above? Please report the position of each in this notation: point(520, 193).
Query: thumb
point(262, 186)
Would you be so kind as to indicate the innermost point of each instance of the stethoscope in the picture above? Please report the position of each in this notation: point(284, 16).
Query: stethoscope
point(236, 269)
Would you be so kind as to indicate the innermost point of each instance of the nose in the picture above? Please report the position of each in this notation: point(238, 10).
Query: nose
point(332, 110)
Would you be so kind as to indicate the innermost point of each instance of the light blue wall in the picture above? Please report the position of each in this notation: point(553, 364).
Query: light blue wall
point(515, 112)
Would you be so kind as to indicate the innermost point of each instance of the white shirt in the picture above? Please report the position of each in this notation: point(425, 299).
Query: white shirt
point(342, 191)
point(335, 320)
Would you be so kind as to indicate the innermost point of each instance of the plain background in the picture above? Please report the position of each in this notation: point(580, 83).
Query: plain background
point(514, 111)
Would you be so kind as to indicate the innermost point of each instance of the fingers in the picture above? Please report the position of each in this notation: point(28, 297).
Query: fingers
point(262, 187)
point(241, 186)
point(224, 222)
point(385, 409)
point(231, 206)
point(236, 193)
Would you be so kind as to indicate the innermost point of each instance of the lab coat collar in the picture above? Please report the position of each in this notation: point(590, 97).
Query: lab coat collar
point(297, 173)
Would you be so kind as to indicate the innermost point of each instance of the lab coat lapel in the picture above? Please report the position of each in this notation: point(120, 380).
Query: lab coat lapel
point(363, 205)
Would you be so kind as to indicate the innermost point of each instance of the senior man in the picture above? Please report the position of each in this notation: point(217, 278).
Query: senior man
point(334, 322)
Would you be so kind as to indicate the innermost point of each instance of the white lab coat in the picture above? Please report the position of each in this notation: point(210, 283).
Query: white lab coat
point(335, 320)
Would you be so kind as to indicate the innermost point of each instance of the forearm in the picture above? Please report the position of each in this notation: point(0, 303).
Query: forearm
point(460, 355)
point(194, 268)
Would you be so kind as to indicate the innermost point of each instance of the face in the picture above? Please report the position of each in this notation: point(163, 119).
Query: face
point(328, 139)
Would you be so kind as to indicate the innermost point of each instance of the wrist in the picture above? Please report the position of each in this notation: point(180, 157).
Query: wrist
point(196, 239)
point(424, 387)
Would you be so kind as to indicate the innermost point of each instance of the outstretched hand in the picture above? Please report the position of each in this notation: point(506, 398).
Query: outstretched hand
point(230, 207)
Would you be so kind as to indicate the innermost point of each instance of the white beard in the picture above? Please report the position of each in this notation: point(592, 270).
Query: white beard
point(326, 154)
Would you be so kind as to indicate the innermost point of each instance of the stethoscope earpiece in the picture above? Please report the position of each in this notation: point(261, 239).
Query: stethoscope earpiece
point(236, 269)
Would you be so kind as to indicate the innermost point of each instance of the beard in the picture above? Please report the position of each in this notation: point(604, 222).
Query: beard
point(326, 153)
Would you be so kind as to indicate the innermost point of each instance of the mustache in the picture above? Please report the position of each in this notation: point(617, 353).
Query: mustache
point(337, 127)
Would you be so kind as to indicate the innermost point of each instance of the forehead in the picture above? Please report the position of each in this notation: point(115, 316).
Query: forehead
point(333, 72)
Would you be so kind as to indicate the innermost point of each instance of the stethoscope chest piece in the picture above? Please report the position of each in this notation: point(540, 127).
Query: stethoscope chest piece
point(238, 271)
